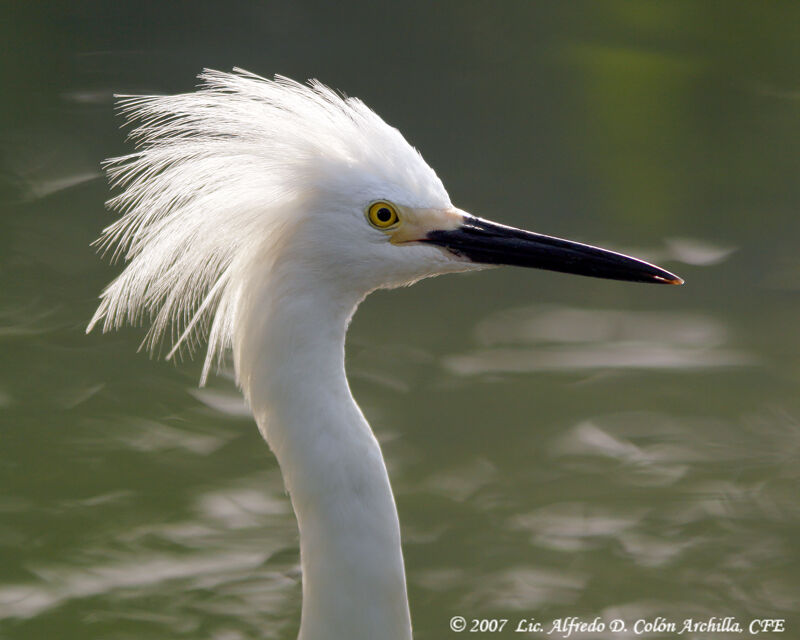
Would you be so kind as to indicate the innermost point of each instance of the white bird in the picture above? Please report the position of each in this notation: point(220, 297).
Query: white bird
point(260, 213)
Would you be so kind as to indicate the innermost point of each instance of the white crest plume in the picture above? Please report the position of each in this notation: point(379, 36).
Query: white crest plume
point(219, 173)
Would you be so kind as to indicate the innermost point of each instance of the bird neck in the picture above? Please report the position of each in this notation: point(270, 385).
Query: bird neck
point(292, 372)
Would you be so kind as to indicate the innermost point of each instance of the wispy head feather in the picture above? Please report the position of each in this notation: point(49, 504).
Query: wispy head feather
point(217, 175)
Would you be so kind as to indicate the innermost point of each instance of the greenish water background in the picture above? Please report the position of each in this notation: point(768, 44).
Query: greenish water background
point(558, 446)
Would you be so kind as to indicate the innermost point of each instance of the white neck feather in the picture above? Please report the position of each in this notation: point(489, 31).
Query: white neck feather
point(353, 576)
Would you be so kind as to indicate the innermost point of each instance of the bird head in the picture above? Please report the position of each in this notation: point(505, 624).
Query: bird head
point(246, 179)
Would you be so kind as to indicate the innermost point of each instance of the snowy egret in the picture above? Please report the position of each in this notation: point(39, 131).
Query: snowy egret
point(259, 213)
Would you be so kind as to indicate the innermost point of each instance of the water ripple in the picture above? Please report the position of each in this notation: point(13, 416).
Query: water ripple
point(547, 338)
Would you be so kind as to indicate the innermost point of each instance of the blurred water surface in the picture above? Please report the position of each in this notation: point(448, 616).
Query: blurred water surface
point(558, 446)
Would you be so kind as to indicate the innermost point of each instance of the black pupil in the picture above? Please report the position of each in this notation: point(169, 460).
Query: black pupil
point(384, 215)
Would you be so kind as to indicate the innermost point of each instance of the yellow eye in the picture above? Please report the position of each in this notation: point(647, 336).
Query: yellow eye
point(382, 215)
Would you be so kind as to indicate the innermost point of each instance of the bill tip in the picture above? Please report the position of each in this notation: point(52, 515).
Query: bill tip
point(671, 279)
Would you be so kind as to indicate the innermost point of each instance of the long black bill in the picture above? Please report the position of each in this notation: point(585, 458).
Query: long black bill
point(491, 243)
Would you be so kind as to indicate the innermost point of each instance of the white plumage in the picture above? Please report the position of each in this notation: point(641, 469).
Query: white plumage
point(218, 175)
point(261, 213)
